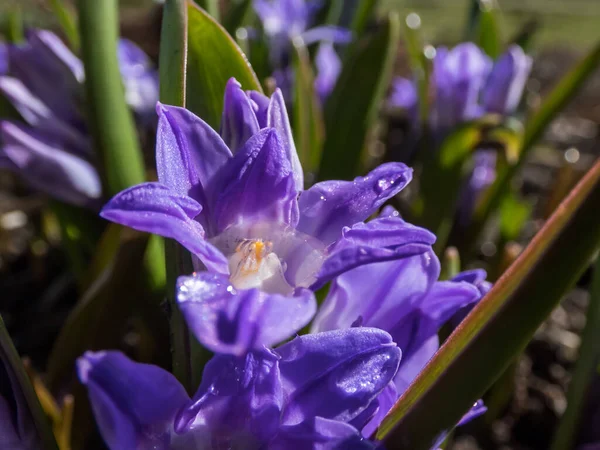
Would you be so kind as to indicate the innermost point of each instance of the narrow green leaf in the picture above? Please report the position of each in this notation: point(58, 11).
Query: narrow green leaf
point(26, 401)
point(504, 321)
point(67, 21)
point(352, 108)
point(488, 28)
point(363, 14)
point(308, 117)
point(584, 370)
point(553, 103)
point(111, 122)
point(173, 53)
point(234, 18)
point(441, 182)
point(213, 58)
point(172, 66)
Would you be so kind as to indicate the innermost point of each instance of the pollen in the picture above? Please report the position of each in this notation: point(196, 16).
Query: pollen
point(251, 253)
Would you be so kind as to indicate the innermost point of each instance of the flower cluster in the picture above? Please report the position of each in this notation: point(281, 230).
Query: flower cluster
point(466, 85)
point(262, 245)
point(51, 147)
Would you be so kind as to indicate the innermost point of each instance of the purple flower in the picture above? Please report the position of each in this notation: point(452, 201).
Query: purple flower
point(286, 20)
point(17, 428)
point(314, 392)
point(465, 84)
point(236, 202)
point(329, 66)
point(404, 298)
point(52, 148)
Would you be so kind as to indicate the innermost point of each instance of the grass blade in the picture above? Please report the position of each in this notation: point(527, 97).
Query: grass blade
point(355, 100)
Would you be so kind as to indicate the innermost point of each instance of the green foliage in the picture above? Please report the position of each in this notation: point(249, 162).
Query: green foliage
point(308, 117)
point(352, 107)
point(212, 58)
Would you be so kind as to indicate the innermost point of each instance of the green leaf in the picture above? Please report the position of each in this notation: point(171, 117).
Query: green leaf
point(307, 117)
point(67, 21)
point(213, 58)
point(210, 6)
point(351, 110)
point(502, 324)
point(234, 19)
point(552, 104)
point(172, 67)
point(564, 438)
point(442, 180)
point(488, 28)
point(173, 53)
point(111, 122)
point(26, 400)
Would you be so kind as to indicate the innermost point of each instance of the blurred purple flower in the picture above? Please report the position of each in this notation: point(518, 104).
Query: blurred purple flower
point(17, 428)
point(44, 82)
point(313, 392)
point(286, 20)
point(404, 298)
point(329, 66)
point(465, 84)
point(236, 202)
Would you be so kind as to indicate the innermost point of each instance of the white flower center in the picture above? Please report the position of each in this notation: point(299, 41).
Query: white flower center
point(273, 258)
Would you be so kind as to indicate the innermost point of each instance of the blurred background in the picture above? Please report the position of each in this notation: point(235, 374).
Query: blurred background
point(38, 291)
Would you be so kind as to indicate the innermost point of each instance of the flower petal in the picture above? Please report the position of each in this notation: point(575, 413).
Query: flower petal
point(384, 401)
point(42, 117)
point(50, 71)
point(139, 79)
point(154, 208)
point(232, 321)
point(134, 404)
point(318, 433)
point(382, 239)
point(378, 295)
point(188, 152)
point(277, 117)
point(329, 206)
point(329, 66)
point(45, 165)
point(257, 184)
point(239, 122)
point(506, 81)
point(238, 403)
point(349, 368)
